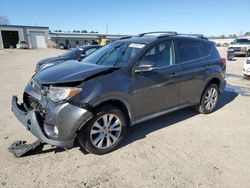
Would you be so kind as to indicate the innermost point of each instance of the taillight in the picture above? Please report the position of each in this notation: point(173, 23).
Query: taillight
point(223, 61)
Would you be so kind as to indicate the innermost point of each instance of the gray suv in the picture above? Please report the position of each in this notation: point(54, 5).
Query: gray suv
point(126, 82)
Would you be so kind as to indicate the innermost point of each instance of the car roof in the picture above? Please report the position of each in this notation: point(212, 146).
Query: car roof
point(136, 39)
point(146, 39)
point(89, 46)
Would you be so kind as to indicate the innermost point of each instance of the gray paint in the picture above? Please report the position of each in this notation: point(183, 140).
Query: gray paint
point(145, 95)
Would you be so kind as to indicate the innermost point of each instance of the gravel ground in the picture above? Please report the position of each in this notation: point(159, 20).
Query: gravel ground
point(181, 149)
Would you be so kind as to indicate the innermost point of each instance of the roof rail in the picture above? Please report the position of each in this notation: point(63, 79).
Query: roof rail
point(127, 37)
point(201, 36)
point(166, 33)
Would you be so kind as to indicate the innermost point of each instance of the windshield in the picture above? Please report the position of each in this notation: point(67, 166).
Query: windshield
point(72, 52)
point(241, 41)
point(115, 54)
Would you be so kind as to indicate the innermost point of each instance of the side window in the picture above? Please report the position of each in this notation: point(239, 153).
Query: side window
point(206, 48)
point(89, 51)
point(161, 54)
point(188, 49)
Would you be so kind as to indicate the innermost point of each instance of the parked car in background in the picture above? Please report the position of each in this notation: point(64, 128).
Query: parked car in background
point(241, 46)
point(124, 83)
point(73, 54)
point(246, 68)
point(62, 46)
point(230, 54)
point(22, 45)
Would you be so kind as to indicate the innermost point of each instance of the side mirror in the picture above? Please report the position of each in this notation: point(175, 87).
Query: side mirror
point(82, 56)
point(146, 66)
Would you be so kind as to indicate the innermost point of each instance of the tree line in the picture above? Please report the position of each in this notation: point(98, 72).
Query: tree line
point(230, 36)
point(75, 31)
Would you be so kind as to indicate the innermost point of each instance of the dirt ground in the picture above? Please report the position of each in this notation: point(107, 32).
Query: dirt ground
point(181, 149)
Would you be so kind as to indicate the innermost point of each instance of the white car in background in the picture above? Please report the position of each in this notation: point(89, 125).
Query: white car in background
point(246, 68)
point(22, 45)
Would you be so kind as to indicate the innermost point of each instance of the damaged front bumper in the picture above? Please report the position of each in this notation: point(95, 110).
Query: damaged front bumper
point(59, 125)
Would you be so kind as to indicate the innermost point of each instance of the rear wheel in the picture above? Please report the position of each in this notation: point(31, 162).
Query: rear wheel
point(104, 132)
point(209, 100)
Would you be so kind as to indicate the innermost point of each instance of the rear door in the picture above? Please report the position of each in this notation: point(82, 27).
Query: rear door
point(157, 90)
point(194, 61)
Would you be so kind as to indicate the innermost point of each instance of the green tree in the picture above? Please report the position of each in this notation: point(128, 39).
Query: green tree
point(84, 31)
point(222, 36)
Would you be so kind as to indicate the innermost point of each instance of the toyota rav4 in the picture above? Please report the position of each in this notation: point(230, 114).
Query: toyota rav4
point(126, 82)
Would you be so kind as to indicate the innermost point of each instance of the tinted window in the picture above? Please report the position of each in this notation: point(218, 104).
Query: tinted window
point(188, 49)
point(161, 54)
point(73, 52)
point(89, 51)
point(205, 48)
point(241, 41)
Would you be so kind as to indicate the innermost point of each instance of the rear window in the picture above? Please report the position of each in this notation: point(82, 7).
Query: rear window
point(189, 49)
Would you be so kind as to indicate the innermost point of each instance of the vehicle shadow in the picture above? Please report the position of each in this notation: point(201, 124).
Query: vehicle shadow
point(140, 131)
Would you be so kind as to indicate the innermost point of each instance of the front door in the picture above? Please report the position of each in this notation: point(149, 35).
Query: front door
point(157, 90)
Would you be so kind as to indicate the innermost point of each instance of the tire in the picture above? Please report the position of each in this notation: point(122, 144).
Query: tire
point(204, 107)
point(99, 139)
point(248, 53)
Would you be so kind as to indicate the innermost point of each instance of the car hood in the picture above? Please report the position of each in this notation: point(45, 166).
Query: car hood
point(51, 59)
point(69, 71)
point(239, 45)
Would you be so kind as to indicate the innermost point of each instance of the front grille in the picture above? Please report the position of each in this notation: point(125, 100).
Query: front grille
point(237, 48)
point(32, 103)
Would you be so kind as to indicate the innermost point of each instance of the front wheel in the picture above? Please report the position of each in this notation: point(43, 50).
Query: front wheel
point(104, 132)
point(248, 53)
point(209, 100)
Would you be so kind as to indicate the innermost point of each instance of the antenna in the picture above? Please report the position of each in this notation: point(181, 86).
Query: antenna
point(35, 20)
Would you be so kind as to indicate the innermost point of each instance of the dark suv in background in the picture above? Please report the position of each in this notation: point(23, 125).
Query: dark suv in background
point(125, 82)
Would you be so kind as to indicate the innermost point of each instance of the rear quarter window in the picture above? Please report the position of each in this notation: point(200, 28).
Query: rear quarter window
point(191, 49)
point(206, 48)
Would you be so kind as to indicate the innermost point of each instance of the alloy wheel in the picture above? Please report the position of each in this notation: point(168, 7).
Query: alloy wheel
point(105, 131)
point(211, 98)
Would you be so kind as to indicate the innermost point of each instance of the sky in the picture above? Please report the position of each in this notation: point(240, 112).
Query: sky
point(211, 17)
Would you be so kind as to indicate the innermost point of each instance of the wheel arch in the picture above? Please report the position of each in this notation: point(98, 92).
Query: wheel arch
point(119, 103)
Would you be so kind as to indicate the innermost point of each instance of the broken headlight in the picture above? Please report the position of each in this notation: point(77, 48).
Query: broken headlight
point(57, 94)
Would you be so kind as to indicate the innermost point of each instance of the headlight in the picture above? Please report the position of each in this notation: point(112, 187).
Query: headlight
point(57, 94)
point(248, 61)
point(243, 49)
point(43, 66)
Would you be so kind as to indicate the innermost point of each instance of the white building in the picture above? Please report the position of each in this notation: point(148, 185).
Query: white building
point(40, 37)
point(35, 36)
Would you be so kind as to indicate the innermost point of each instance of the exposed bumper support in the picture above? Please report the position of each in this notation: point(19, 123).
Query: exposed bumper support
point(63, 118)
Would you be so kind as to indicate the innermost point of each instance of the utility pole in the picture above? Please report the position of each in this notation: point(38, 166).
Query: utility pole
point(107, 28)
